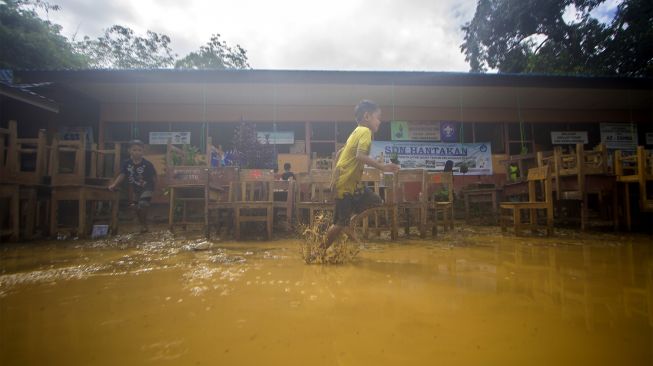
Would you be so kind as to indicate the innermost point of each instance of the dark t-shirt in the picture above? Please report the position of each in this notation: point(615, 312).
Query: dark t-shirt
point(287, 175)
point(140, 176)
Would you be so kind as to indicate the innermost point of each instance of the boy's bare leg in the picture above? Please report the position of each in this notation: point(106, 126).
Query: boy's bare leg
point(331, 236)
point(349, 230)
point(141, 213)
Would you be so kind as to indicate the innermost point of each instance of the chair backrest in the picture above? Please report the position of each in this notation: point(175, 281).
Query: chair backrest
point(541, 175)
point(596, 160)
point(256, 185)
point(22, 160)
point(317, 186)
point(410, 185)
point(178, 171)
point(637, 166)
point(647, 158)
point(440, 186)
point(105, 163)
point(68, 161)
point(72, 164)
point(224, 180)
point(5, 153)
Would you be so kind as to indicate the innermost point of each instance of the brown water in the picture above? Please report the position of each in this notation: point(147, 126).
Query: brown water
point(470, 298)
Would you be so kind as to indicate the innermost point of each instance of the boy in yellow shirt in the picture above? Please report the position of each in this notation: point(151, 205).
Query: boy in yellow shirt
point(350, 161)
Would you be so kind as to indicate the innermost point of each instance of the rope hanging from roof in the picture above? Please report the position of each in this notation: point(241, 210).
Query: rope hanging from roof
point(274, 119)
point(205, 129)
point(135, 129)
point(460, 108)
point(524, 149)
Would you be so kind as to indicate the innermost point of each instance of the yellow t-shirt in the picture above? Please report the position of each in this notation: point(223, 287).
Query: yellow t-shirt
point(349, 170)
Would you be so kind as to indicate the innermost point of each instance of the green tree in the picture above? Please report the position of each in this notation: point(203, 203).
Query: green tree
point(120, 48)
point(215, 54)
point(29, 42)
point(522, 36)
point(250, 152)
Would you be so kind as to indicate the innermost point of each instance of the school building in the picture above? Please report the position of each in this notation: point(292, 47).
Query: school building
point(309, 114)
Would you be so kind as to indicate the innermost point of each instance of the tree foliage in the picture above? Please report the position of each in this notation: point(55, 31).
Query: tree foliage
point(215, 54)
point(29, 42)
point(520, 36)
point(250, 153)
point(120, 48)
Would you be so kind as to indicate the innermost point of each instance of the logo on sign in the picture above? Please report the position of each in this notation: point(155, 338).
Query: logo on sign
point(448, 131)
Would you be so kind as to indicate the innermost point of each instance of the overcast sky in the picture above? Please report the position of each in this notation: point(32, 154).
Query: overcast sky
point(294, 34)
point(409, 35)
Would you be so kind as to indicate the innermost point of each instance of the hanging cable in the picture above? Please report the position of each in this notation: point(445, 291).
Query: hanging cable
point(524, 149)
point(460, 108)
point(274, 120)
point(135, 130)
point(205, 129)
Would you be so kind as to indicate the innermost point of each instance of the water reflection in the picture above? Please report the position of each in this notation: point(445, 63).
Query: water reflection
point(472, 297)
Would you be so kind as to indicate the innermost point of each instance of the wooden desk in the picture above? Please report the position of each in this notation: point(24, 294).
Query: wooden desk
point(482, 195)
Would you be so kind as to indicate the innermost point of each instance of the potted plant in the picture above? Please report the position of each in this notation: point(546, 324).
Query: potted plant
point(394, 158)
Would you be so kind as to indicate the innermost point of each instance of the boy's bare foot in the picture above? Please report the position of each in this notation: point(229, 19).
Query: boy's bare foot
point(314, 255)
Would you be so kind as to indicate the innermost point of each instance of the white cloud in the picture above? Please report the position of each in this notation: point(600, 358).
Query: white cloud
point(294, 34)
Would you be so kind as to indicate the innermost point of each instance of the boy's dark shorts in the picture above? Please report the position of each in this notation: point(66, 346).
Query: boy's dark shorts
point(350, 204)
point(143, 199)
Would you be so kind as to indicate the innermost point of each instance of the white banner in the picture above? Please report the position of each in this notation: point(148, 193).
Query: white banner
point(434, 155)
point(279, 137)
point(568, 137)
point(619, 136)
point(161, 138)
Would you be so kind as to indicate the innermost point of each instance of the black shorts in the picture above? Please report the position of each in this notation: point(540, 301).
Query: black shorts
point(142, 198)
point(355, 203)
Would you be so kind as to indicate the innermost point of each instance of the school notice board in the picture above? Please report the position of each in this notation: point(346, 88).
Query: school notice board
point(434, 155)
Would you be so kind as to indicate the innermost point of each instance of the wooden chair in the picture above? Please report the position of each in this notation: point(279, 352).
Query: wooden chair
point(220, 198)
point(570, 173)
point(411, 199)
point(10, 192)
point(23, 162)
point(189, 185)
point(71, 182)
point(284, 200)
point(384, 217)
point(255, 199)
point(535, 175)
point(568, 177)
point(440, 200)
point(635, 169)
point(314, 194)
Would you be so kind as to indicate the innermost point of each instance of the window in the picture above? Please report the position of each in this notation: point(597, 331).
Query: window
point(323, 131)
point(466, 132)
point(344, 129)
point(117, 131)
point(520, 134)
point(223, 134)
point(492, 133)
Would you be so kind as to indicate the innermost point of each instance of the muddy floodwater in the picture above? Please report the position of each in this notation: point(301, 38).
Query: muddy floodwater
point(472, 297)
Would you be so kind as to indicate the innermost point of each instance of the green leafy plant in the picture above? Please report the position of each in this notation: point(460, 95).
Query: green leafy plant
point(394, 158)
